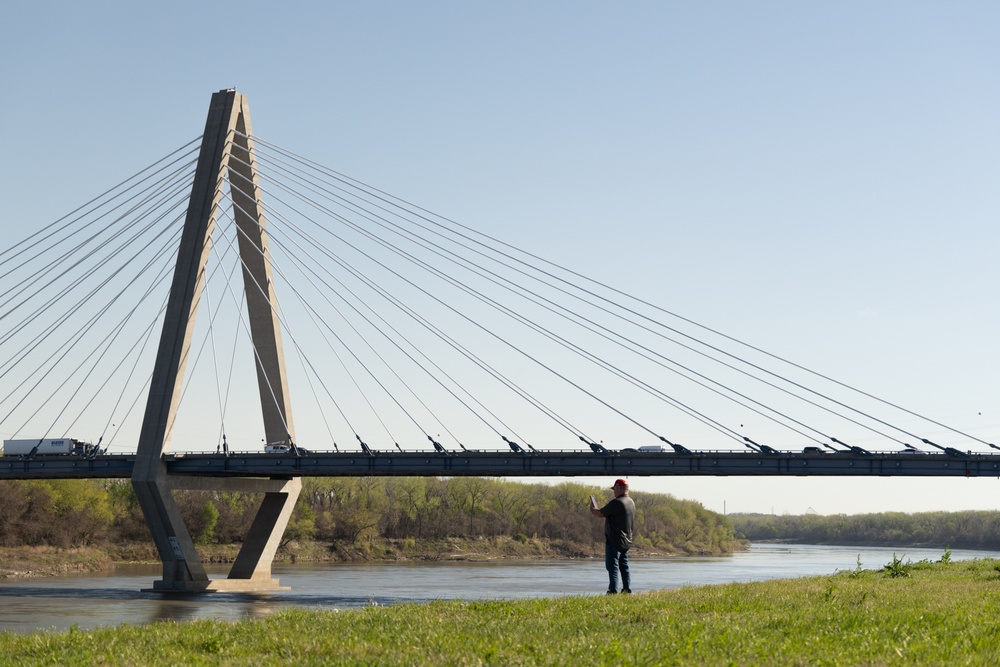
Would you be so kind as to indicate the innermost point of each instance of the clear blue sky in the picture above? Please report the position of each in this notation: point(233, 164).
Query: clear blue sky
point(818, 179)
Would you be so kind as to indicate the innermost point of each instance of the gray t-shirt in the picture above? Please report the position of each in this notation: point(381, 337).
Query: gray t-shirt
point(619, 517)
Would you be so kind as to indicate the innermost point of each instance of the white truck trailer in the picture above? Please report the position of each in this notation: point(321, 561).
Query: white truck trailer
point(47, 447)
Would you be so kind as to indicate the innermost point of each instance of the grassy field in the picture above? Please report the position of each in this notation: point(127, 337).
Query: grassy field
point(922, 614)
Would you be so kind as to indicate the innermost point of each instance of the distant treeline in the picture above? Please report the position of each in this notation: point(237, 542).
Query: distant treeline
point(960, 530)
point(359, 511)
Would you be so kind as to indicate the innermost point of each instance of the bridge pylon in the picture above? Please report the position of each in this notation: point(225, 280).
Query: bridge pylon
point(226, 149)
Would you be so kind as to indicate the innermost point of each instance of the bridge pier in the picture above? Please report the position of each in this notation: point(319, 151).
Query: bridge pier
point(183, 571)
point(226, 148)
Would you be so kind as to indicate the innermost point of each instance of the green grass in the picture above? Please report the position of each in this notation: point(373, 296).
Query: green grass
point(941, 614)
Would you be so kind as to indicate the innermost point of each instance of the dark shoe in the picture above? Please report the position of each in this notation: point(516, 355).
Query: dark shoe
point(612, 592)
point(627, 591)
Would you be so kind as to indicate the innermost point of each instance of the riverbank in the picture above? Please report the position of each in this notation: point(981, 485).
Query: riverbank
point(28, 562)
point(34, 562)
point(917, 613)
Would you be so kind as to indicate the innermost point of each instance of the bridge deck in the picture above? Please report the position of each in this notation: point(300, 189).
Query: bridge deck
point(501, 464)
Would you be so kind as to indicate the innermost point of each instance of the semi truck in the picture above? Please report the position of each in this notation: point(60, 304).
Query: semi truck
point(47, 447)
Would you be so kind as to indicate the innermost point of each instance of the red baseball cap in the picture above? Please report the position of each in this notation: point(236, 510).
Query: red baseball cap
point(620, 482)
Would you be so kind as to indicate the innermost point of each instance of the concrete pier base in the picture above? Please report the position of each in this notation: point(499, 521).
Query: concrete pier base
point(218, 586)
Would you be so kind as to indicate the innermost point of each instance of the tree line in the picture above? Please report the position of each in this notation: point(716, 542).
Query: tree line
point(960, 530)
point(359, 511)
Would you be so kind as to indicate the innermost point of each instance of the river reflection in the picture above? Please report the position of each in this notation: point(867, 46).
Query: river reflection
point(118, 597)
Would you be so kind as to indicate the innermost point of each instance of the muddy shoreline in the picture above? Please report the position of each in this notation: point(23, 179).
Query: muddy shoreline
point(43, 561)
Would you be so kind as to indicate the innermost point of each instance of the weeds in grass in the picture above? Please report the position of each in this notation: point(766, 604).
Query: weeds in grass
point(946, 558)
point(858, 571)
point(896, 567)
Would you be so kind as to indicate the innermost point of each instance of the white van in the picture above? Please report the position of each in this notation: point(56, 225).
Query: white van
point(652, 448)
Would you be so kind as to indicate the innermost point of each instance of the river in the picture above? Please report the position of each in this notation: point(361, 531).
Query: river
point(117, 597)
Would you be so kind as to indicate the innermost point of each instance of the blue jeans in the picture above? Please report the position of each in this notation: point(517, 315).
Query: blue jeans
point(615, 559)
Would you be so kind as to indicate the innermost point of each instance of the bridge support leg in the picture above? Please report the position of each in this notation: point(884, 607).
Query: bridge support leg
point(254, 560)
point(182, 567)
point(226, 149)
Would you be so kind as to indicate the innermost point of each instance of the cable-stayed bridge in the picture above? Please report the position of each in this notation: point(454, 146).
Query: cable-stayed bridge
point(413, 344)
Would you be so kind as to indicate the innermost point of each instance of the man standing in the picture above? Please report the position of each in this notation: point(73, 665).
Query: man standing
point(619, 517)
